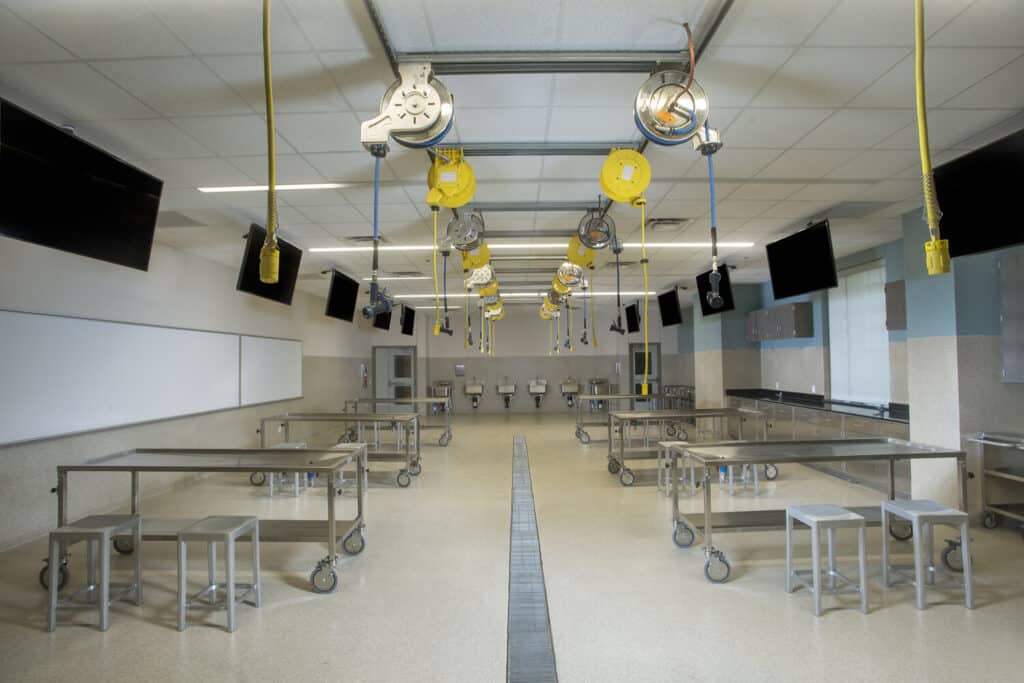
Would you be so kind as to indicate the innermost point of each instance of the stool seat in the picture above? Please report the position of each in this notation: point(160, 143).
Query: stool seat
point(219, 528)
point(820, 514)
point(104, 525)
point(224, 529)
point(919, 509)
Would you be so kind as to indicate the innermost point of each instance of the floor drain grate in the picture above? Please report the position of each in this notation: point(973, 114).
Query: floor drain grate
point(531, 654)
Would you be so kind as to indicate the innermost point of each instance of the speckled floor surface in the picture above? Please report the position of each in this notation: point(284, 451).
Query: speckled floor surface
point(426, 601)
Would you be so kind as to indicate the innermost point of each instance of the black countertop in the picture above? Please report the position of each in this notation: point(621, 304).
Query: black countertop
point(893, 412)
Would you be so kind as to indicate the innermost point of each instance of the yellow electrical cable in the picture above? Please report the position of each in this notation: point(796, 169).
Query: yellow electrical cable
point(437, 295)
point(569, 306)
point(465, 329)
point(643, 265)
point(270, 255)
point(936, 250)
point(551, 335)
point(593, 320)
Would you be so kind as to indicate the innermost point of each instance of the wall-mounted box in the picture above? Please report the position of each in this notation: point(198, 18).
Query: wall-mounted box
point(1011, 296)
point(788, 321)
point(896, 305)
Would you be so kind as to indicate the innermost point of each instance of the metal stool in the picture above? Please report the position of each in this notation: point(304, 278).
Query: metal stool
point(213, 530)
point(97, 532)
point(829, 518)
point(923, 516)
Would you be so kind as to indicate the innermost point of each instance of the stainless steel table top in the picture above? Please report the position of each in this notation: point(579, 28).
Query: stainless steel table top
point(682, 414)
point(782, 452)
point(617, 397)
point(223, 460)
point(342, 417)
point(1005, 439)
point(405, 401)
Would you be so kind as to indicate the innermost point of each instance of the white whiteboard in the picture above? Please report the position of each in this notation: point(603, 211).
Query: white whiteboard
point(271, 370)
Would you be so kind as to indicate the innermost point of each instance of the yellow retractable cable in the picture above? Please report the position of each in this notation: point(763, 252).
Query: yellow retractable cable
point(642, 203)
point(270, 254)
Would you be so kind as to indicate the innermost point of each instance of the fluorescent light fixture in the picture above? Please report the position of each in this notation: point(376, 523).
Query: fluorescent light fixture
point(527, 245)
point(525, 294)
point(543, 245)
point(279, 188)
point(688, 245)
point(398, 277)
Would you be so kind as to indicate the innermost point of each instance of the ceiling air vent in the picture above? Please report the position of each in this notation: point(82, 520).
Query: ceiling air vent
point(365, 239)
point(854, 209)
point(660, 224)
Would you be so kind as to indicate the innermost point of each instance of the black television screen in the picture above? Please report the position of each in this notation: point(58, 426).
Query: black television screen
point(978, 197)
point(802, 262)
point(724, 289)
point(61, 192)
point(342, 297)
point(382, 321)
point(408, 320)
point(288, 271)
point(632, 318)
point(668, 305)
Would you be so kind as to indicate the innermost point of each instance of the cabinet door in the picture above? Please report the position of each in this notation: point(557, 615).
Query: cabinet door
point(753, 334)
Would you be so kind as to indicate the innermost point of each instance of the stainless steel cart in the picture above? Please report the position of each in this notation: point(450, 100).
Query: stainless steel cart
point(405, 425)
point(1005, 466)
point(601, 405)
point(711, 456)
point(434, 404)
point(325, 463)
point(715, 426)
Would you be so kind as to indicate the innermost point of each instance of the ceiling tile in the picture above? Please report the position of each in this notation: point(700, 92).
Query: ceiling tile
point(696, 189)
point(207, 171)
point(502, 125)
point(596, 90)
point(506, 192)
point(348, 229)
point(71, 89)
point(458, 25)
point(362, 77)
point(184, 199)
point(743, 208)
point(1000, 130)
point(948, 71)
point(826, 77)
point(766, 190)
point(876, 164)
point(20, 42)
point(796, 211)
point(506, 168)
point(301, 82)
point(667, 162)
point(331, 214)
point(390, 212)
point(289, 168)
point(508, 90)
point(946, 127)
point(303, 198)
point(1001, 90)
point(362, 195)
point(347, 166)
point(830, 191)
point(177, 86)
point(733, 162)
point(320, 132)
point(572, 124)
point(780, 22)
point(142, 139)
point(334, 25)
point(874, 23)
point(409, 164)
point(776, 128)
point(229, 26)
point(891, 190)
point(856, 128)
point(627, 26)
point(732, 75)
point(805, 163)
point(570, 191)
point(990, 23)
point(231, 135)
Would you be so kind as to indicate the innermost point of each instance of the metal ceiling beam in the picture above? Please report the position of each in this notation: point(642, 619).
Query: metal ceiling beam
point(542, 62)
point(526, 257)
point(540, 149)
point(533, 206)
point(514, 234)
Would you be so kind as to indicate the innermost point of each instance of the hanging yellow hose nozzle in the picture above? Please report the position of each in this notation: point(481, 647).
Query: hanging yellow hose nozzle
point(270, 254)
point(936, 250)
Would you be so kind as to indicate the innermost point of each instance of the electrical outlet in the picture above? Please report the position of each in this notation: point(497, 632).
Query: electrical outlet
point(814, 388)
point(776, 385)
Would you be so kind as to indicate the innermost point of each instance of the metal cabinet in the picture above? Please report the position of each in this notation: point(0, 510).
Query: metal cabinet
point(896, 305)
point(789, 321)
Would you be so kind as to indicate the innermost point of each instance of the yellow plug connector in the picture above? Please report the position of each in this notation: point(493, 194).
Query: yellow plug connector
point(643, 389)
point(270, 263)
point(936, 254)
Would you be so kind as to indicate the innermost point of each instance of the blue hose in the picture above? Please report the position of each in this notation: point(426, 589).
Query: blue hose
point(711, 179)
point(376, 194)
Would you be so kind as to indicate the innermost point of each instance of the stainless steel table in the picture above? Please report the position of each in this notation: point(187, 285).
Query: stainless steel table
point(619, 424)
point(607, 400)
point(710, 456)
point(406, 425)
point(1004, 466)
point(439, 403)
point(325, 463)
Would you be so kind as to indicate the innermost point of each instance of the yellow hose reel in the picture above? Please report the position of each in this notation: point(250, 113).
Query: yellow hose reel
point(477, 258)
point(489, 290)
point(579, 253)
point(450, 180)
point(625, 175)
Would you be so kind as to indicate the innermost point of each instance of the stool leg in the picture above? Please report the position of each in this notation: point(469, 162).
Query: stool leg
point(789, 554)
point(90, 571)
point(816, 570)
point(182, 569)
point(211, 570)
point(965, 550)
point(229, 567)
point(104, 553)
point(831, 535)
point(919, 568)
point(138, 563)
point(929, 546)
point(295, 485)
point(885, 547)
point(257, 589)
point(757, 485)
point(862, 561)
point(54, 568)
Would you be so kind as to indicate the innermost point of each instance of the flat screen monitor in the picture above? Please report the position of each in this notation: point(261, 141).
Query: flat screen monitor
point(342, 297)
point(408, 320)
point(61, 192)
point(802, 262)
point(288, 270)
point(668, 305)
point(978, 197)
point(724, 289)
point(382, 321)
point(632, 318)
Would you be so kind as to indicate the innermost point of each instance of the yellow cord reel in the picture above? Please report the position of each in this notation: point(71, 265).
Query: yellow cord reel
point(625, 175)
point(450, 180)
point(477, 258)
point(579, 254)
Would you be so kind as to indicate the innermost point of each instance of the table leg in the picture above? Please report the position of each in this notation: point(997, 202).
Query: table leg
point(332, 537)
point(707, 510)
point(961, 480)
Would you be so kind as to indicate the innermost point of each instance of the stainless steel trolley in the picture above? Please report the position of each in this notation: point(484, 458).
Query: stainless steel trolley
point(710, 456)
point(602, 405)
point(326, 463)
point(434, 404)
point(620, 426)
point(1005, 467)
point(406, 426)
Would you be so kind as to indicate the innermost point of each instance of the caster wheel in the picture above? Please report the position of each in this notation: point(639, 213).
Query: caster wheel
point(258, 478)
point(683, 435)
point(771, 472)
point(124, 546)
point(415, 469)
point(354, 543)
point(614, 467)
point(584, 437)
point(403, 479)
point(627, 478)
point(901, 531)
point(683, 536)
point(670, 431)
point(953, 558)
point(991, 520)
point(323, 579)
point(62, 576)
point(717, 569)
point(445, 439)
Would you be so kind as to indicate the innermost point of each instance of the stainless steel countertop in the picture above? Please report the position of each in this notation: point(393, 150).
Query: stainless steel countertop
point(223, 460)
point(823, 450)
